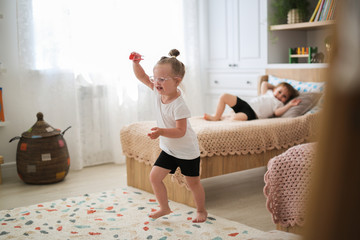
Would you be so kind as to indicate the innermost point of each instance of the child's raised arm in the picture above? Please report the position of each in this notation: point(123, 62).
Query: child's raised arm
point(265, 86)
point(140, 73)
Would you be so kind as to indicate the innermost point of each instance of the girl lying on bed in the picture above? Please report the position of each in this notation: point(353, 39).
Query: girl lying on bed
point(273, 101)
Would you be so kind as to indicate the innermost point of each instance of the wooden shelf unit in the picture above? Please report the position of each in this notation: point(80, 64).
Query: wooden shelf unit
point(295, 54)
point(303, 25)
point(299, 55)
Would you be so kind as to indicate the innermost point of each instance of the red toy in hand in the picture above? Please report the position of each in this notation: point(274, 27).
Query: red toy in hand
point(135, 56)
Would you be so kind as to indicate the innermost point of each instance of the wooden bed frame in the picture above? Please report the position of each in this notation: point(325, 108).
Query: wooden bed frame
point(138, 173)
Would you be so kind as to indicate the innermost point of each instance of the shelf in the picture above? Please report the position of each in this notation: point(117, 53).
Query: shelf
point(299, 55)
point(303, 25)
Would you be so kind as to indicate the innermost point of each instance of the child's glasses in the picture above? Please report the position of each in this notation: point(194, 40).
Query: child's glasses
point(159, 80)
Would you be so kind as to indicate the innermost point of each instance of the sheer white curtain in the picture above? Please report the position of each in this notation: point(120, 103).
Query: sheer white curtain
point(74, 66)
point(192, 81)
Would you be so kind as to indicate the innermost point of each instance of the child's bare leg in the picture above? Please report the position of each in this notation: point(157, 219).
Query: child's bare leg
point(240, 116)
point(199, 197)
point(157, 175)
point(225, 99)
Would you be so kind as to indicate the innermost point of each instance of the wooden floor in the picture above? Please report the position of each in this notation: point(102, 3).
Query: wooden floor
point(237, 196)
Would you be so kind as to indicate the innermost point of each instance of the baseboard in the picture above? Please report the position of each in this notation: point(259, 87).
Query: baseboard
point(8, 170)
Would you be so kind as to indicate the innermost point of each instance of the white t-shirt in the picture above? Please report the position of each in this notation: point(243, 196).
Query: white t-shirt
point(265, 105)
point(186, 147)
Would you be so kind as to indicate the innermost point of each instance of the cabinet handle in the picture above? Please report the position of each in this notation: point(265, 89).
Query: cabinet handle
point(216, 81)
point(235, 65)
point(248, 82)
point(230, 65)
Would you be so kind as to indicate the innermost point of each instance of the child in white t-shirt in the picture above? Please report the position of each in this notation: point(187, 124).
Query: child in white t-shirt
point(178, 141)
point(273, 101)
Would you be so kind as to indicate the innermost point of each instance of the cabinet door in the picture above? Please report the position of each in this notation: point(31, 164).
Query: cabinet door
point(236, 33)
point(250, 28)
point(220, 33)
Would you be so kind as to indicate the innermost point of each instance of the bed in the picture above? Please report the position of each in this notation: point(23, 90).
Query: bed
point(225, 146)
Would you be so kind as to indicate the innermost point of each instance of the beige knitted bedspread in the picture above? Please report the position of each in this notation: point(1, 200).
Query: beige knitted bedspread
point(224, 137)
point(287, 184)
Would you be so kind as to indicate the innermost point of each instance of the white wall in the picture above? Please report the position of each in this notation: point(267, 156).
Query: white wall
point(21, 101)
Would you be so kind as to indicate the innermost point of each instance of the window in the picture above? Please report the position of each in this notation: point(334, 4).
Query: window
point(98, 35)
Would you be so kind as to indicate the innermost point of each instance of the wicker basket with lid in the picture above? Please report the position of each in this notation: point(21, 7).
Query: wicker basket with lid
point(42, 156)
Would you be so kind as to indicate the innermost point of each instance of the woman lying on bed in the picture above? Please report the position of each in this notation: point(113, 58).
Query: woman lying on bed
point(273, 101)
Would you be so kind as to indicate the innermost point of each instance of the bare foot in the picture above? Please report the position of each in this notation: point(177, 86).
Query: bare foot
point(201, 217)
point(210, 118)
point(160, 213)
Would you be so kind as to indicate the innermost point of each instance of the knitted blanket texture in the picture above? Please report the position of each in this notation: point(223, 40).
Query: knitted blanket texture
point(224, 137)
point(287, 184)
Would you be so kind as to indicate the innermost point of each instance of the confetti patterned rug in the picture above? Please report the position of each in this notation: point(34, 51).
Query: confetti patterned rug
point(118, 214)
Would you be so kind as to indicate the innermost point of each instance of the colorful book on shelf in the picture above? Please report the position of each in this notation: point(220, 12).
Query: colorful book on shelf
point(323, 11)
point(319, 12)
point(332, 16)
point(2, 117)
point(315, 11)
point(328, 10)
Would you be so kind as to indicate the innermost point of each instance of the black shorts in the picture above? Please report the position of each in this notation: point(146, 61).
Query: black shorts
point(190, 168)
point(244, 107)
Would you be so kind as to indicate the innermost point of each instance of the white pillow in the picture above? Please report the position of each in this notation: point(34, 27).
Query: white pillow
point(299, 85)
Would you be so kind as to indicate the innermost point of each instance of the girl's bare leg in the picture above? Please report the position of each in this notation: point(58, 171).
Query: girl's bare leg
point(240, 116)
point(199, 197)
point(157, 175)
point(225, 99)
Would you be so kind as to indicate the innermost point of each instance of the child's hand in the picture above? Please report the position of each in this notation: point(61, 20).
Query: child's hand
point(155, 133)
point(295, 102)
point(136, 57)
